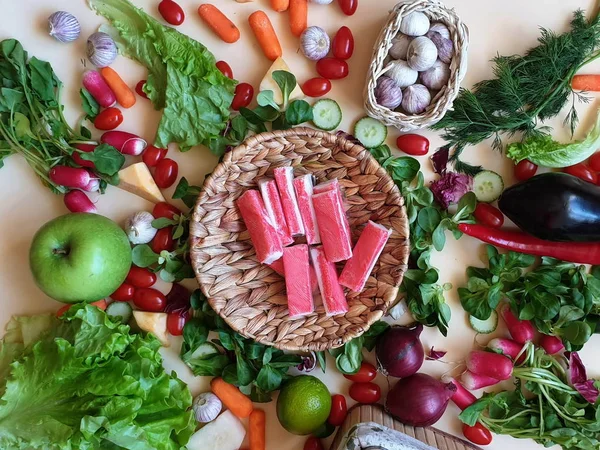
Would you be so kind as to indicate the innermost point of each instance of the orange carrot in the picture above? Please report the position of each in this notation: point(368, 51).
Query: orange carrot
point(298, 16)
point(265, 34)
point(124, 95)
point(256, 429)
point(220, 24)
point(280, 5)
point(63, 309)
point(586, 82)
point(238, 403)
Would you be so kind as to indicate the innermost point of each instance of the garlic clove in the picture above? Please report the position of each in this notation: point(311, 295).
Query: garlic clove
point(415, 24)
point(399, 46)
point(422, 53)
point(206, 407)
point(415, 99)
point(139, 229)
point(101, 49)
point(444, 46)
point(315, 43)
point(388, 93)
point(401, 73)
point(439, 27)
point(63, 26)
point(437, 76)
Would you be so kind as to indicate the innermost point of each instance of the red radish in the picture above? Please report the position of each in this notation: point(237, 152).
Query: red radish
point(472, 381)
point(400, 352)
point(77, 201)
point(126, 143)
point(507, 347)
point(461, 397)
point(88, 148)
point(72, 177)
point(139, 88)
point(551, 344)
point(490, 364)
point(93, 185)
point(520, 330)
point(95, 85)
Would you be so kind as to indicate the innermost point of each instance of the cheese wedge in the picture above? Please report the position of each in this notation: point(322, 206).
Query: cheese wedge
point(155, 323)
point(138, 180)
point(269, 84)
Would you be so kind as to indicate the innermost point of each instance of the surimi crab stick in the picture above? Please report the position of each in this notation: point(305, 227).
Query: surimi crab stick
point(333, 226)
point(297, 280)
point(332, 293)
point(284, 176)
point(270, 195)
point(304, 191)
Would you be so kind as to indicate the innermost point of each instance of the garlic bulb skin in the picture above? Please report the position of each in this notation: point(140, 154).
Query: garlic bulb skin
point(415, 24)
point(415, 99)
point(437, 76)
point(101, 49)
point(322, 2)
point(439, 27)
point(422, 54)
point(206, 407)
point(388, 93)
point(444, 46)
point(399, 46)
point(139, 229)
point(63, 26)
point(315, 43)
point(401, 73)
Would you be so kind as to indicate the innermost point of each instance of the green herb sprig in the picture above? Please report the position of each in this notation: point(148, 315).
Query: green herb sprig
point(349, 357)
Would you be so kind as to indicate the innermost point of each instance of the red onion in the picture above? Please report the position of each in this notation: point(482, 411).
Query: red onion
point(419, 400)
point(400, 352)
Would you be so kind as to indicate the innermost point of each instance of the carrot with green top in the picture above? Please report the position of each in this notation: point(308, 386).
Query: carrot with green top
point(232, 398)
point(123, 93)
point(280, 5)
point(257, 430)
point(265, 35)
point(298, 16)
point(586, 83)
point(219, 23)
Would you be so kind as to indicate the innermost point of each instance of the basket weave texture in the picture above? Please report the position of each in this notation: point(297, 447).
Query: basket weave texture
point(442, 102)
point(250, 296)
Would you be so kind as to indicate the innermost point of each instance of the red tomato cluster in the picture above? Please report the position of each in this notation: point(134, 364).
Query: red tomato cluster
point(362, 389)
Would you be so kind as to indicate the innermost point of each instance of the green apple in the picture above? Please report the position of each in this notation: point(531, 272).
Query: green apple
point(80, 257)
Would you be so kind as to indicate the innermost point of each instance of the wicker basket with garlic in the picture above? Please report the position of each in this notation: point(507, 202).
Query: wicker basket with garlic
point(419, 61)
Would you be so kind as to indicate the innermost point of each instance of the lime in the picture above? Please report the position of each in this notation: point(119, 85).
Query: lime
point(303, 405)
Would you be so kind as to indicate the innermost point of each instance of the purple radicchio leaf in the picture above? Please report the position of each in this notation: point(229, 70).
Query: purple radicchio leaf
point(178, 299)
point(308, 364)
point(434, 355)
point(439, 160)
point(450, 188)
point(579, 379)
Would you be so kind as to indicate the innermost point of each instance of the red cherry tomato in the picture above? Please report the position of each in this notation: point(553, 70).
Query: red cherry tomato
point(148, 299)
point(313, 443)
point(225, 69)
point(139, 88)
point(582, 171)
point(365, 393)
point(594, 162)
point(316, 87)
point(164, 209)
point(413, 144)
point(175, 323)
point(124, 293)
point(109, 119)
point(152, 155)
point(163, 240)
point(366, 373)
point(339, 410)
point(477, 434)
point(343, 44)
point(165, 173)
point(140, 277)
point(525, 169)
point(332, 68)
point(348, 6)
point(244, 93)
point(486, 214)
point(171, 12)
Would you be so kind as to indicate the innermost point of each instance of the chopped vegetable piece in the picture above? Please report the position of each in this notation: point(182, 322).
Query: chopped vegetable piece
point(232, 398)
point(226, 432)
point(485, 326)
point(333, 226)
point(297, 280)
point(370, 132)
point(488, 186)
point(327, 114)
point(120, 310)
point(303, 186)
point(332, 293)
point(272, 200)
point(284, 176)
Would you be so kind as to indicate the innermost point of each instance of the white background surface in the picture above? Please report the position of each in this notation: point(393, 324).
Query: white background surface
point(505, 27)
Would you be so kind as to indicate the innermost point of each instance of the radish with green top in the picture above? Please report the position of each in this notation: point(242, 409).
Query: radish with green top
point(493, 365)
point(71, 177)
point(461, 397)
point(521, 331)
point(126, 143)
point(551, 344)
point(507, 347)
point(87, 148)
point(95, 85)
point(77, 201)
point(473, 381)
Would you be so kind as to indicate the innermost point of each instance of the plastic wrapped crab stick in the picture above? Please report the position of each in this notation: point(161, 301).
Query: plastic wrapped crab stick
point(284, 176)
point(297, 280)
point(332, 293)
point(304, 190)
point(277, 266)
point(333, 225)
point(263, 234)
point(366, 252)
point(272, 200)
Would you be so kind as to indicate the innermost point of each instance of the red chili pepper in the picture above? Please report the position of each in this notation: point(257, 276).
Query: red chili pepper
point(577, 252)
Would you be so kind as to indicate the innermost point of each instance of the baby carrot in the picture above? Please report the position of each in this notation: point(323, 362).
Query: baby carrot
point(586, 82)
point(220, 24)
point(280, 5)
point(256, 430)
point(265, 34)
point(298, 16)
point(124, 95)
point(238, 403)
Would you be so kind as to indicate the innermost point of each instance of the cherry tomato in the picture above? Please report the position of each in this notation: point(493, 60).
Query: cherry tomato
point(139, 88)
point(171, 12)
point(486, 214)
point(165, 173)
point(175, 323)
point(109, 119)
point(343, 44)
point(140, 277)
point(148, 299)
point(332, 68)
point(316, 87)
point(152, 155)
point(163, 240)
point(413, 144)
point(477, 434)
point(365, 393)
point(366, 373)
point(348, 6)
point(582, 171)
point(594, 162)
point(124, 293)
point(164, 209)
point(313, 443)
point(225, 69)
point(339, 410)
point(525, 170)
point(244, 93)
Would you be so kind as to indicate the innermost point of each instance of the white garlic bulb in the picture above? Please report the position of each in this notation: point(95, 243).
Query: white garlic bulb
point(422, 54)
point(437, 76)
point(415, 24)
point(401, 73)
point(207, 407)
point(415, 99)
point(399, 46)
point(439, 27)
point(139, 227)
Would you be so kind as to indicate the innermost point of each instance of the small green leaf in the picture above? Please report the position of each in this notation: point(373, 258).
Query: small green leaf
point(107, 159)
point(163, 222)
point(286, 82)
point(265, 98)
point(298, 112)
point(268, 379)
point(429, 218)
point(143, 256)
point(239, 128)
point(90, 106)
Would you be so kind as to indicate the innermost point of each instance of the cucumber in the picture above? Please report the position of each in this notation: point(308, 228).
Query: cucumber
point(370, 132)
point(327, 114)
point(120, 309)
point(484, 326)
point(487, 186)
point(205, 351)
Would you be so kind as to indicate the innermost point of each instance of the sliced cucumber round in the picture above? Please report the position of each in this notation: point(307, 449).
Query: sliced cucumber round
point(122, 310)
point(327, 114)
point(205, 351)
point(370, 132)
point(487, 186)
point(485, 326)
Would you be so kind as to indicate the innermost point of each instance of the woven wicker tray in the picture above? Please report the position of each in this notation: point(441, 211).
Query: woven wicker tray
point(251, 296)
